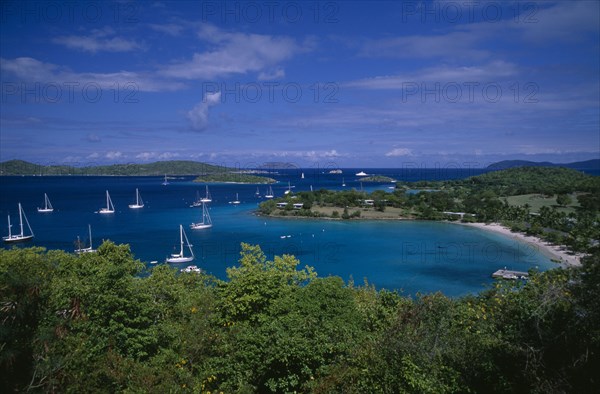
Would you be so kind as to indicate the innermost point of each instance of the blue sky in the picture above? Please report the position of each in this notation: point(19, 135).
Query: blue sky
point(322, 84)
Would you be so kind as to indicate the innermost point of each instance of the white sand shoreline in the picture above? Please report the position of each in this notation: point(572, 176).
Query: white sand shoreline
point(554, 251)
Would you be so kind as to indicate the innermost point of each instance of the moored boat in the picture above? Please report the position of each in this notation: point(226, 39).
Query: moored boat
point(21, 237)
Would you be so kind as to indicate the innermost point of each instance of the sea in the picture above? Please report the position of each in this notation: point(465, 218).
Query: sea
point(408, 256)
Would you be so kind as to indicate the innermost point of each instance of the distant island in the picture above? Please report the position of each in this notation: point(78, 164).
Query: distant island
point(377, 178)
point(204, 172)
point(234, 177)
point(593, 164)
point(278, 165)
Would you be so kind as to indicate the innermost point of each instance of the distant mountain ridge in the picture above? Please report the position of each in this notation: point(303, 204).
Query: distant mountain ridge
point(175, 167)
point(593, 164)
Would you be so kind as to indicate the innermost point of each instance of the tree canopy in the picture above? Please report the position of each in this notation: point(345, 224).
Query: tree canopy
point(92, 323)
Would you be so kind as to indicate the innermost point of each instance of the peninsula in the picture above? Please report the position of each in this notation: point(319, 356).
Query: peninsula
point(549, 206)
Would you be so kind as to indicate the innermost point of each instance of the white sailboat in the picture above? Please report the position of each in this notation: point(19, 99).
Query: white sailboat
point(197, 202)
point(257, 194)
point(110, 208)
point(302, 177)
point(89, 249)
point(269, 193)
point(206, 220)
point(138, 201)
point(289, 190)
point(47, 205)
point(179, 257)
point(21, 236)
point(236, 201)
point(207, 198)
point(165, 181)
point(343, 183)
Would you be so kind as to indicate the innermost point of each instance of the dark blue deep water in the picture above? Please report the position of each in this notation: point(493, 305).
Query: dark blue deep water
point(407, 256)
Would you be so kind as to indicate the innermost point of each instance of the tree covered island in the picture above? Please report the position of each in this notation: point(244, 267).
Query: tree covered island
point(234, 177)
point(377, 178)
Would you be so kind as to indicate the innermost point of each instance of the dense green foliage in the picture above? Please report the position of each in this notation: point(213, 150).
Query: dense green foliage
point(526, 180)
point(175, 167)
point(20, 167)
point(578, 165)
point(91, 323)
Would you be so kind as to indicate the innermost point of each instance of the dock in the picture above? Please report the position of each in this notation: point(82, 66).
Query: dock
point(508, 274)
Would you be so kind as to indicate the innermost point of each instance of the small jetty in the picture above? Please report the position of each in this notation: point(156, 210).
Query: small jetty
point(508, 274)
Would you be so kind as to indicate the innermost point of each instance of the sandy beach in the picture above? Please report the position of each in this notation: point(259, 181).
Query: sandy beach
point(556, 252)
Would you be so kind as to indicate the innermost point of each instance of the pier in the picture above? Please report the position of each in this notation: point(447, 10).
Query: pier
point(508, 274)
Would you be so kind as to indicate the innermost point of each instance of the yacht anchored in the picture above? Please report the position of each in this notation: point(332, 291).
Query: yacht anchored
point(89, 249)
point(110, 208)
point(138, 201)
point(236, 201)
point(269, 193)
point(206, 220)
point(47, 205)
point(179, 257)
point(21, 237)
point(207, 198)
point(289, 190)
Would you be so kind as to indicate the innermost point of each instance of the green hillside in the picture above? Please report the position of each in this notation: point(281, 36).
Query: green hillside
point(179, 167)
point(519, 180)
point(20, 167)
point(525, 180)
point(579, 165)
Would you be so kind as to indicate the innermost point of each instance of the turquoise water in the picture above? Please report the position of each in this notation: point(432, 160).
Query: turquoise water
point(402, 255)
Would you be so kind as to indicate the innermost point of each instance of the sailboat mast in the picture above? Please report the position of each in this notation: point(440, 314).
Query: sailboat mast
point(21, 218)
point(137, 197)
point(9, 227)
point(188, 244)
point(90, 232)
point(181, 237)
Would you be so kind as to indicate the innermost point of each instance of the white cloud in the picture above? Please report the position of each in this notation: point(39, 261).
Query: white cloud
point(453, 45)
point(168, 155)
point(494, 71)
point(564, 20)
point(146, 156)
point(100, 40)
point(32, 70)
point(198, 116)
point(91, 137)
point(308, 155)
point(235, 53)
point(112, 155)
point(399, 152)
point(539, 22)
